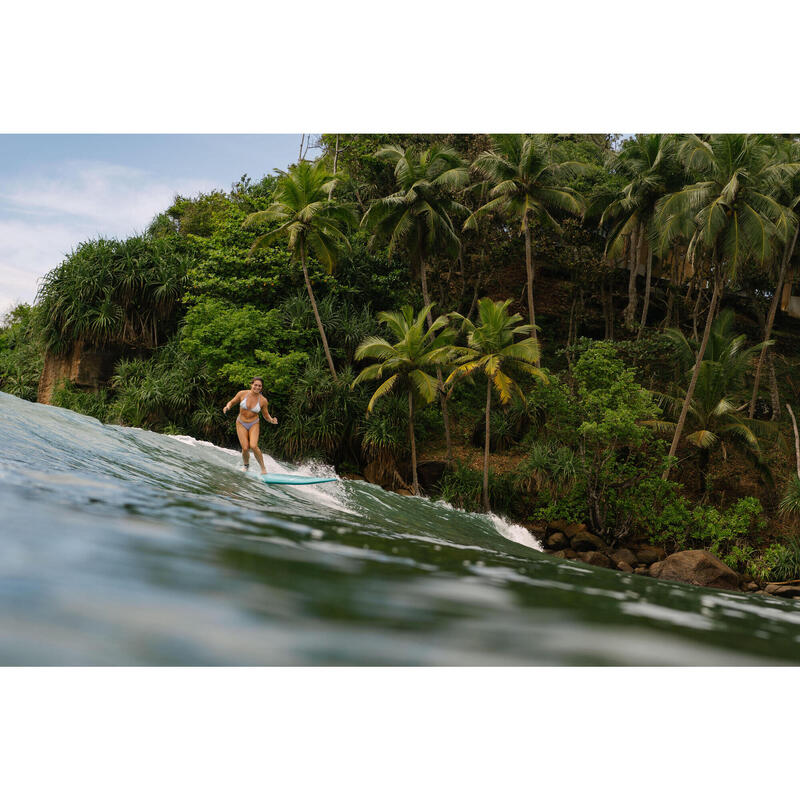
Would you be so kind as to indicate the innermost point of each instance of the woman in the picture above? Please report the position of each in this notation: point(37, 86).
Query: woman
point(247, 423)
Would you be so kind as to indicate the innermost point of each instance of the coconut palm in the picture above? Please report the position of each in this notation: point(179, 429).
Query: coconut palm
point(525, 186)
point(715, 419)
point(788, 151)
point(311, 222)
point(730, 217)
point(418, 217)
point(406, 365)
point(648, 161)
point(491, 349)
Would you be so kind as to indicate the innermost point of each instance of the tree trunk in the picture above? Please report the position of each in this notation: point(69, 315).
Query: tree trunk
point(442, 396)
point(630, 309)
point(414, 481)
point(335, 159)
point(529, 270)
point(774, 394)
point(486, 505)
point(300, 154)
point(796, 439)
point(646, 291)
point(316, 313)
point(773, 309)
point(687, 401)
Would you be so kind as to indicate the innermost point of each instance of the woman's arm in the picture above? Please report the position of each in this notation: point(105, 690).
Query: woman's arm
point(237, 397)
point(267, 417)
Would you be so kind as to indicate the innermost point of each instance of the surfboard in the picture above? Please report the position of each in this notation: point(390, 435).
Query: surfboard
point(293, 480)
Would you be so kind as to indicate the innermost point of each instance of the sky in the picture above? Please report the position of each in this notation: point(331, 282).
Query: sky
point(57, 190)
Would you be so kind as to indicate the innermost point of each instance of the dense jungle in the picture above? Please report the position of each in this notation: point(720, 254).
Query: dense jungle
point(592, 335)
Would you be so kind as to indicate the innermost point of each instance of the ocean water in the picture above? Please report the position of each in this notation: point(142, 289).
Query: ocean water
point(121, 546)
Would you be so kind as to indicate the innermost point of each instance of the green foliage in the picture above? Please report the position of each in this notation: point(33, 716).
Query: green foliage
point(463, 487)
point(167, 390)
point(236, 342)
point(92, 404)
point(21, 358)
point(110, 291)
point(779, 562)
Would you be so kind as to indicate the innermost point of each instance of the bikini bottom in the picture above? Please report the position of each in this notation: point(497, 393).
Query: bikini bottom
point(247, 425)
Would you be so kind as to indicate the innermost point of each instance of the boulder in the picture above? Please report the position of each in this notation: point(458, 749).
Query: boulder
point(624, 566)
point(623, 554)
point(538, 529)
point(557, 525)
point(752, 586)
point(557, 541)
point(649, 555)
point(587, 541)
point(697, 567)
point(641, 571)
point(783, 589)
point(596, 559)
point(574, 529)
point(565, 554)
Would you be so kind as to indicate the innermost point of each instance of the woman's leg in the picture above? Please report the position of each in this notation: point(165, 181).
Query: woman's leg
point(254, 431)
point(244, 441)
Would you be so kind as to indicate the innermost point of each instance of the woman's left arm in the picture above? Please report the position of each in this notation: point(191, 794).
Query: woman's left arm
point(265, 407)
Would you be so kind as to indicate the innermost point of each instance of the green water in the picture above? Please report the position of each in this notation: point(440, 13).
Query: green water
point(123, 546)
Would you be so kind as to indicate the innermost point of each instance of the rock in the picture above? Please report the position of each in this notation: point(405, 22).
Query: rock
point(429, 474)
point(697, 567)
point(623, 554)
point(624, 566)
point(85, 366)
point(649, 555)
point(596, 559)
point(558, 525)
point(404, 492)
point(587, 541)
point(574, 529)
point(565, 554)
point(750, 587)
point(641, 571)
point(538, 529)
point(557, 541)
point(783, 589)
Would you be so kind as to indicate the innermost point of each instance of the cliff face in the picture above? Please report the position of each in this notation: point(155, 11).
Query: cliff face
point(85, 366)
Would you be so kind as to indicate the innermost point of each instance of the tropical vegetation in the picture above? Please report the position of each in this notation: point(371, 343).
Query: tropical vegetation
point(593, 329)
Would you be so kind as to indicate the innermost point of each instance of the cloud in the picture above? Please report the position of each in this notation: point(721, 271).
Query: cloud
point(44, 216)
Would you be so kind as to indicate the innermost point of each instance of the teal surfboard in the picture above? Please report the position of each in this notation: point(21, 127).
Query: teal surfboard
point(293, 480)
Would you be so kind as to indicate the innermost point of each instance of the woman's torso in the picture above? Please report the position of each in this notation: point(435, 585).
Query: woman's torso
point(250, 406)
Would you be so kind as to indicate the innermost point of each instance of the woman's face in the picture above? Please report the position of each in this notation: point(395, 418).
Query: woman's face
point(256, 387)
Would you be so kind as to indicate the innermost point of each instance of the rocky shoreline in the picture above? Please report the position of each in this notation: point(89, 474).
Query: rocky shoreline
point(575, 541)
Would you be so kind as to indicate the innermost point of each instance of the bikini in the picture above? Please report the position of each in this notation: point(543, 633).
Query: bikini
point(256, 410)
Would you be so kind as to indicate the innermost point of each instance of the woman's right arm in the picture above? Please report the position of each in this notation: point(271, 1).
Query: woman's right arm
point(236, 399)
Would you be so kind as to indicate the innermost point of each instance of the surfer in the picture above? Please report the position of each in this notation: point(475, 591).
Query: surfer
point(251, 404)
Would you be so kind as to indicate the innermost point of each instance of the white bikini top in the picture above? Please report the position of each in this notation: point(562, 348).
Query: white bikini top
point(256, 410)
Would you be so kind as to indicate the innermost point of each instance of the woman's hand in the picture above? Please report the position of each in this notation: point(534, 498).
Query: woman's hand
point(273, 420)
point(225, 409)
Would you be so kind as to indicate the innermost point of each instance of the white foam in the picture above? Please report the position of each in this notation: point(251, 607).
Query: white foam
point(515, 533)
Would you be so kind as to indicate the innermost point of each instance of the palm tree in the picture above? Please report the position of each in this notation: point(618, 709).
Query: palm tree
point(406, 364)
point(491, 349)
point(525, 187)
point(790, 191)
point(715, 415)
point(310, 222)
point(730, 216)
point(648, 160)
point(418, 217)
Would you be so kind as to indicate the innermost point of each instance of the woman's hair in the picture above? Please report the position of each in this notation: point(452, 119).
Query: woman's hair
point(257, 379)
